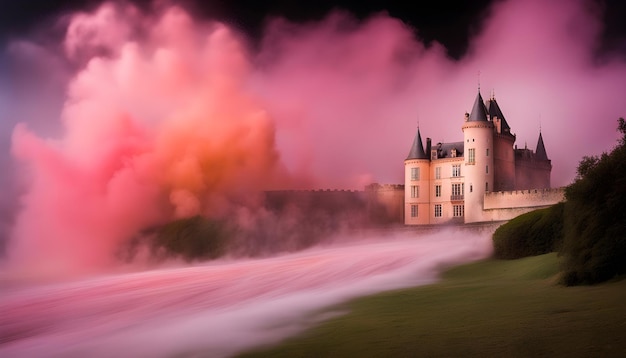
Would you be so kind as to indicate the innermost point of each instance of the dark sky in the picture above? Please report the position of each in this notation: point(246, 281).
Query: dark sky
point(448, 22)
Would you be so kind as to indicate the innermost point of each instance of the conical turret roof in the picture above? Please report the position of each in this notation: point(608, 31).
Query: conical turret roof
point(540, 153)
point(417, 149)
point(479, 112)
point(494, 111)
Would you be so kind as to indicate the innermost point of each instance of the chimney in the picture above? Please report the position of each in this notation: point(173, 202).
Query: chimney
point(428, 146)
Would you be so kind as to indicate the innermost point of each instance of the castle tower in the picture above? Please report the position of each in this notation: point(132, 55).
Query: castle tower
point(503, 153)
point(543, 165)
point(532, 169)
point(416, 184)
point(540, 152)
point(478, 135)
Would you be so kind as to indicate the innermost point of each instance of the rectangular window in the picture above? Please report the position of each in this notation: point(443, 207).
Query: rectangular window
point(471, 156)
point(438, 210)
point(459, 210)
point(438, 191)
point(415, 173)
point(415, 191)
point(486, 186)
point(487, 151)
point(457, 191)
point(456, 170)
point(413, 211)
point(437, 172)
point(487, 169)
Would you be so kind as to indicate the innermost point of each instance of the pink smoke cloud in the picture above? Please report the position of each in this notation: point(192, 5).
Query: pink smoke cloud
point(157, 129)
point(168, 116)
point(362, 87)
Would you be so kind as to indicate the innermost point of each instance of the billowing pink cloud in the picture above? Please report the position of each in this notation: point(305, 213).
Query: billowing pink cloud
point(359, 89)
point(159, 128)
point(167, 115)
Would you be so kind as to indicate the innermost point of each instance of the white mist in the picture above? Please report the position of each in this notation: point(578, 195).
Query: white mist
point(220, 309)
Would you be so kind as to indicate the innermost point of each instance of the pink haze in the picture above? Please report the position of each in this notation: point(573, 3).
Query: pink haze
point(168, 116)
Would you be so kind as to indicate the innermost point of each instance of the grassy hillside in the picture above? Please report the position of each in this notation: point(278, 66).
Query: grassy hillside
point(489, 308)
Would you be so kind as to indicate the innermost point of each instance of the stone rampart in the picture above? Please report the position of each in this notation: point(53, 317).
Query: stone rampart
point(514, 199)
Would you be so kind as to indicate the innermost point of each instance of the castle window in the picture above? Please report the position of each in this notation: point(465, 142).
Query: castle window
point(438, 173)
point(487, 169)
point(438, 210)
point(471, 188)
point(413, 211)
point(471, 156)
point(486, 186)
point(438, 191)
point(415, 173)
point(415, 191)
point(456, 170)
point(487, 151)
point(459, 211)
point(457, 192)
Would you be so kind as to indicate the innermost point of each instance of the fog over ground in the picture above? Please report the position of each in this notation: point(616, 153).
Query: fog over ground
point(132, 117)
point(221, 308)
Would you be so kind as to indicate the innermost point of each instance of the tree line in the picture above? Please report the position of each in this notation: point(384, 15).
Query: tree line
point(588, 229)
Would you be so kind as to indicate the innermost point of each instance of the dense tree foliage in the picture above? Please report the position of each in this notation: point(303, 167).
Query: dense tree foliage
point(535, 233)
point(288, 221)
point(589, 229)
point(595, 218)
point(194, 238)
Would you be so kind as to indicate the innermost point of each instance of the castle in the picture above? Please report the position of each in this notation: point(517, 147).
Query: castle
point(482, 178)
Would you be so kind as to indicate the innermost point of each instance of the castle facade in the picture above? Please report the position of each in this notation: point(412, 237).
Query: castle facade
point(484, 177)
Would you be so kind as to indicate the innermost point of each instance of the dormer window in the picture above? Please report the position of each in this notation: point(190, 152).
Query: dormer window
point(433, 154)
point(453, 153)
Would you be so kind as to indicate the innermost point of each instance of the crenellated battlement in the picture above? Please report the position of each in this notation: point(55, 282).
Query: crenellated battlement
point(384, 187)
point(377, 204)
point(314, 191)
point(523, 198)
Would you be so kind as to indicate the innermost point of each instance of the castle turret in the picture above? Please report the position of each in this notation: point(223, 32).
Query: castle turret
point(478, 134)
point(540, 153)
point(416, 183)
point(543, 165)
point(503, 154)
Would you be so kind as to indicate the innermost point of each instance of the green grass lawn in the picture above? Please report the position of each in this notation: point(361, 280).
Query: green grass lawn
point(490, 308)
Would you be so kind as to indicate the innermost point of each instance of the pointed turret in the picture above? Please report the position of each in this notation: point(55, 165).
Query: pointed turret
point(494, 111)
point(417, 149)
point(479, 112)
point(540, 153)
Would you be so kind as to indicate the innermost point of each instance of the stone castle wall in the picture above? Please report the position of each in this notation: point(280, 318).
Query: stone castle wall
point(386, 201)
point(382, 205)
point(506, 205)
point(523, 198)
point(377, 205)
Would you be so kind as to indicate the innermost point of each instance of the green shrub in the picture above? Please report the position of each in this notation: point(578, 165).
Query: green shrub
point(535, 233)
point(194, 238)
